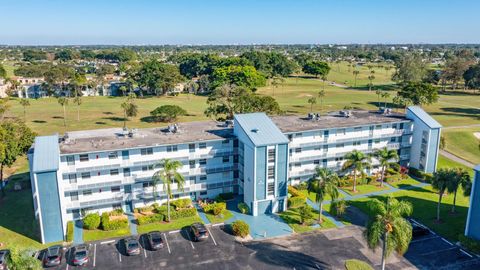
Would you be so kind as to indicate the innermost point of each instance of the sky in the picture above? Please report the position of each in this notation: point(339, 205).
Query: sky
point(140, 22)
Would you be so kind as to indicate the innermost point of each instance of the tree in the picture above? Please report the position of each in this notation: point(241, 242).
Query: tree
point(159, 78)
point(34, 55)
point(409, 67)
point(324, 183)
point(316, 68)
point(130, 109)
point(276, 81)
point(384, 157)
point(355, 74)
point(454, 69)
point(356, 162)
point(23, 260)
point(67, 55)
point(312, 101)
point(3, 72)
point(15, 140)
point(4, 107)
point(321, 95)
point(169, 175)
point(418, 93)
point(24, 102)
point(378, 92)
point(168, 113)
point(63, 101)
point(305, 213)
point(243, 76)
point(272, 64)
point(442, 179)
point(385, 95)
point(78, 101)
point(463, 180)
point(370, 78)
point(389, 223)
point(472, 77)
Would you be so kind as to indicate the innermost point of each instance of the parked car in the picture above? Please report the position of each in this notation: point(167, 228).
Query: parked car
point(155, 240)
point(80, 255)
point(4, 254)
point(53, 256)
point(132, 246)
point(418, 229)
point(199, 231)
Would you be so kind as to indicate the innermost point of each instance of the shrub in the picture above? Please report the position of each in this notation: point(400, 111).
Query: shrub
point(305, 213)
point(227, 196)
point(395, 166)
point(368, 179)
point(219, 199)
point(117, 212)
point(210, 208)
point(144, 209)
point(469, 243)
point(181, 203)
point(339, 207)
point(110, 225)
point(302, 186)
point(415, 172)
point(150, 219)
point(167, 113)
point(217, 210)
point(69, 231)
point(354, 264)
point(163, 209)
point(293, 191)
point(295, 202)
point(240, 228)
point(91, 221)
point(183, 213)
point(428, 177)
point(243, 207)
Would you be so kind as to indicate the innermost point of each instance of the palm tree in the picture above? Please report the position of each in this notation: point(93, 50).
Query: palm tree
point(130, 109)
point(321, 95)
point(168, 175)
point(384, 157)
point(355, 73)
point(378, 93)
point(322, 184)
point(63, 101)
point(390, 225)
point(78, 101)
point(312, 101)
point(324, 78)
point(441, 180)
point(356, 161)
point(462, 179)
point(24, 102)
point(370, 78)
point(385, 95)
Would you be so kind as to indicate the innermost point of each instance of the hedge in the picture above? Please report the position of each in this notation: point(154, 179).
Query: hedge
point(181, 203)
point(91, 221)
point(210, 208)
point(294, 202)
point(150, 219)
point(183, 213)
point(163, 209)
point(227, 196)
point(240, 228)
point(117, 212)
point(110, 225)
point(243, 207)
point(69, 231)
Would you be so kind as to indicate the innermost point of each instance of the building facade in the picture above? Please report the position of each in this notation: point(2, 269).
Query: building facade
point(472, 227)
point(254, 155)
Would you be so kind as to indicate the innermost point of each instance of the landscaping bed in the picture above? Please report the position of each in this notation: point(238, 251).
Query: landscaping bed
point(292, 218)
point(109, 225)
point(216, 211)
point(364, 189)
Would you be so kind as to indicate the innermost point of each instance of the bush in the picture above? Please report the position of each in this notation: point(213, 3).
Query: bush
point(338, 208)
point(183, 213)
point(163, 209)
point(181, 203)
point(345, 181)
point(390, 171)
point(415, 172)
point(368, 179)
point(227, 196)
point(91, 221)
point(219, 199)
point(69, 231)
point(295, 202)
point(428, 177)
point(144, 209)
point(395, 166)
point(150, 219)
point(302, 186)
point(243, 207)
point(167, 113)
point(217, 210)
point(110, 225)
point(469, 243)
point(294, 192)
point(240, 228)
point(117, 212)
point(210, 208)
point(354, 264)
point(305, 213)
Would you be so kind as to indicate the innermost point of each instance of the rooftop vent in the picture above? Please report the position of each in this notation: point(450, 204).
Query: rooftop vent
point(313, 116)
point(346, 113)
point(255, 130)
point(229, 123)
point(173, 128)
point(385, 111)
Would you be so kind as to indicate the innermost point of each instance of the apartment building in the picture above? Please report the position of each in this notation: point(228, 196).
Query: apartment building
point(254, 155)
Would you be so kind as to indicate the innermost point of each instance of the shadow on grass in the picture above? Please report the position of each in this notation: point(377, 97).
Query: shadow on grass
point(100, 123)
point(115, 118)
point(39, 121)
point(464, 112)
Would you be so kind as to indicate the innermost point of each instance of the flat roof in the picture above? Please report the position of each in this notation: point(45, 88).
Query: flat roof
point(295, 123)
point(45, 154)
point(115, 138)
point(260, 129)
point(424, 116)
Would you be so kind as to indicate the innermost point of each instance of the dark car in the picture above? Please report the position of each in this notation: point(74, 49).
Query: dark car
point(155, 240)
point(132, 246)
point(199, 231)
point(53, 256)
point(80, 255)
point(418, 229)
point(4, 258)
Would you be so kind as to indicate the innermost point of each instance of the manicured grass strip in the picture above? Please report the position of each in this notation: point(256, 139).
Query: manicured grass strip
point(311, 196)
point(70, 231)
point(354, 264)
point(168, 226)
point(94, 235)
point(405, 183)
point(462, 143)
point(292, 218)
point(444, 162)
point(364, 189)
point(226, 215)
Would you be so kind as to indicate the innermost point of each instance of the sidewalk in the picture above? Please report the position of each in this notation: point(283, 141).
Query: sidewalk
point(77, 232)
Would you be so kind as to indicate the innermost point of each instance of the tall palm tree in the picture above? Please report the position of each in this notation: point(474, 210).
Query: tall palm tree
point(442, 179)
point(312, 101)
point(78, 101)
point(130, 109)
point(63, 101)
point(356, 162)
point(24, 102)
point(355, 74)
point(321, 95)
point(378, 93)
point(384, 157)
point(389, 223)
point(385, 95)
point(462, 179)
point(168, 175)
point(322, 184)
point(370, 85)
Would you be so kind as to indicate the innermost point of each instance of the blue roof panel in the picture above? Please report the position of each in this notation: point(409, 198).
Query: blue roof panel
point(260, 129)
point(424, 116)
point(46, 154)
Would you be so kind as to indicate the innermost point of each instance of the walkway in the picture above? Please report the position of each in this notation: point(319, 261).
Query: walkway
point(456, 159)
point(202, 214)
point(78, 232)
point(325, 214)
point(131, 220)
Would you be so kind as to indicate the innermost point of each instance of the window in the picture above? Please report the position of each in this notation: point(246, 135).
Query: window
point(339, 159)
point(192, 179)
point(191, 147)
point(358, 129)
point(378, 127)
point(316, 162)
point(83, 157)
point(147, 184)
point(116, 189)
point(72, 178)
point(203, 193)
point(203, 178)
point(297, 164)
point(70, 160)
point(113, 155)
point(298, 150)
point(202, 145)
point(341, 131)
point(114, 172)
point(394, 126)
point(87, 192)
point(117, 206)
point(340, 145)
point(377, 141)
point(290, 137)
point(146, 151)
point(85, 175)
point(192, 164)
point(126, 172)
point(172, 148)
point(298, 134)
point(125, 154)
point(74, 196)
point(357, 143)
point(271, 155)
point(225, 141)
point(317, 148)
point(226, 159)
point(202, 162)
point(271, 172)
point(147, 168)
point(271, 189)
point(393, 139)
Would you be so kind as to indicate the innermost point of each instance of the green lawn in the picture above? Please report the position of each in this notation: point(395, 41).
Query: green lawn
point(444, 162)
point(173, 225)
point(311, 196)
point(94, 235)
point(364, 189)
point(405, 183)
point(226, 215)
point(462, 143)
point(292, 218)
point(354, 264)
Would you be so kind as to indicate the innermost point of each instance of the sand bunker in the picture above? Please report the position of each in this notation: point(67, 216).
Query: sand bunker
point(477, 135)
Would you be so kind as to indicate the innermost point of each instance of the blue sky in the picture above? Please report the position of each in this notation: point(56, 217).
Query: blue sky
point(47, 22)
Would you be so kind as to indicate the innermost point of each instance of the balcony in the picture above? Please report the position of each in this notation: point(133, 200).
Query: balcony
point(124, 181)
point(94, 203)
point(393, 146)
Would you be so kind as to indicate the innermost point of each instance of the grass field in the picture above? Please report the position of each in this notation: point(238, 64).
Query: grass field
point(168, 226)
point(94, 235)
point(404, 183)
point(364, 189)
point(462, 143)
point(226, 215)
point(444, 162)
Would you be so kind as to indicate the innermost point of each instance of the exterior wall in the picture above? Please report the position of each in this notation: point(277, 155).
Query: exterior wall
point(49, 205)
point(472, 228)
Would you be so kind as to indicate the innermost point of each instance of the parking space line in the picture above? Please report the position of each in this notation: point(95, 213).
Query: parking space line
point(218, 224)
point(67, 266)
point(211, 236)
point(436, 251)
point(463, 251)
point(446, 241)
point(174, 231)
point(423, 239)
point(107, 242)
point(94, 254)
point(144, 248)
point(120, 257)
point(166, 241)
point(190, 240)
